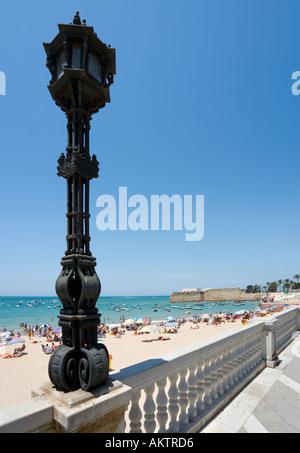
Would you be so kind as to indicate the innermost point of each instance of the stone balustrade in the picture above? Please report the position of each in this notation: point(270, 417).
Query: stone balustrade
point(182, 390)
point(178, 392)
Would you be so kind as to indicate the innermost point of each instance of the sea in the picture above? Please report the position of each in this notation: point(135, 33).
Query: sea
point(15, 311)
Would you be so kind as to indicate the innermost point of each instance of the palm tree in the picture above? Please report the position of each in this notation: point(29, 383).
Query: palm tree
point(286, 283)
point(297, 276)
point(280, 283)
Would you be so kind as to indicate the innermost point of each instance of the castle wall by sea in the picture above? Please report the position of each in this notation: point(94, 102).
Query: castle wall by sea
point(213, 295)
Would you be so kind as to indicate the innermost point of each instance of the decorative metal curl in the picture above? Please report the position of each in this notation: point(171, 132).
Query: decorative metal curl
point(69, 371)
point(93, 367)
point(63, 368)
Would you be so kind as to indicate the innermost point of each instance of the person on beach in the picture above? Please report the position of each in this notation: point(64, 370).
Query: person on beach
point(19, 351)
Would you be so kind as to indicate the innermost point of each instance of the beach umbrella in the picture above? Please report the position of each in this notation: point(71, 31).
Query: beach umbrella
point(43, 326)
point(129, 321)
point(144, 330)
point(138, 321)
point(112, 326)
point(56, 330)
point(170, 318)
point(241, 312)
point(16, 340)
point(171, 324)
point(160, 329)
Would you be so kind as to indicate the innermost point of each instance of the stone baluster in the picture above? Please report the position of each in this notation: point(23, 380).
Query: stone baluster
point(230, 365)
point(249, 353)
point(239, 360)
point(135, 414)
point(243, 356)
point(256, 345)
point(200, 388)
point(226, 369)
point(173, 404)
point(235, 352)
point(149, 410)
point(246, 354)
point(220, 373)
point(207, 382)
point(161, 404)
point(257, 351)
point(253, 354)
point(214, 380)
point(192, 384)
point(183, 397)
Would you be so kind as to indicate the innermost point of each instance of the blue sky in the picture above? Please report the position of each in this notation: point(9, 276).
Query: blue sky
point(201, 104)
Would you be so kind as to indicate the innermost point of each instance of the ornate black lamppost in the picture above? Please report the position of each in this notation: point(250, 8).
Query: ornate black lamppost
point(82, 69)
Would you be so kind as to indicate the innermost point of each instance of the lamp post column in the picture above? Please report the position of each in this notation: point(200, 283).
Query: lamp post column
point(82, 69)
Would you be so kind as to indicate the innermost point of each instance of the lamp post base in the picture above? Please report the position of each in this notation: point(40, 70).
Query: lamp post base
point(70, 370)
point(80, 362)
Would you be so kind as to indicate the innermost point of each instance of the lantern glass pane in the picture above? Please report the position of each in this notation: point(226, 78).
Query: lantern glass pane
point(94, 67)
point(76, 56)
point(61, 62)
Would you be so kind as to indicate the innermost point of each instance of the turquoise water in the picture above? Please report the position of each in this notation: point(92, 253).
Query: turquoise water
point(39, 310)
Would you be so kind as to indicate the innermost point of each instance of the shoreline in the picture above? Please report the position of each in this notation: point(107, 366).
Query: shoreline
point(14, 310)
point(12, 318)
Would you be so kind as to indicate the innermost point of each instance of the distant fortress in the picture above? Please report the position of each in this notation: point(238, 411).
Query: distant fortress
point(213, 294)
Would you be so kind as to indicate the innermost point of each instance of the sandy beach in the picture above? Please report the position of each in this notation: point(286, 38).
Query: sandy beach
point(18, 376)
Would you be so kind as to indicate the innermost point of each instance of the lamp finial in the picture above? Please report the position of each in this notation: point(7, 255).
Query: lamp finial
point(76, 20)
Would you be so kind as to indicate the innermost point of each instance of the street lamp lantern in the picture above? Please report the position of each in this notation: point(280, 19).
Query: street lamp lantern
point(82, 68)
